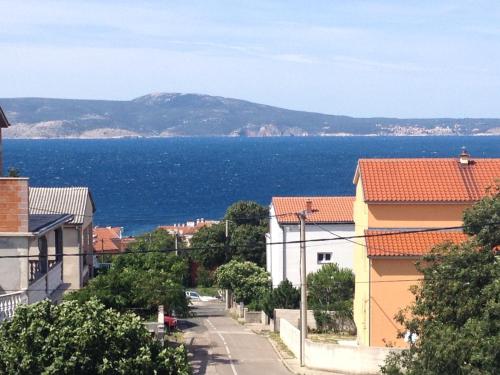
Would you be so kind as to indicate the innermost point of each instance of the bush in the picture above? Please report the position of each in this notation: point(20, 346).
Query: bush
point(285, 296)
point(73, 338)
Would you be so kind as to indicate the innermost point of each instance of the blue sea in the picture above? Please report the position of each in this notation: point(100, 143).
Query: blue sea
point(142, 183)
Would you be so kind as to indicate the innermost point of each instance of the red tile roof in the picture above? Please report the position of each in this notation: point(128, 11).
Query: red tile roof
point(329, 209)
point(106, 239)
point(187, 230)
point(426, 180)
point(408, 244)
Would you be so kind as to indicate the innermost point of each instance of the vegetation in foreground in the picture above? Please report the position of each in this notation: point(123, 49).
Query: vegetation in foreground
point(455, 319)
point(86, 338)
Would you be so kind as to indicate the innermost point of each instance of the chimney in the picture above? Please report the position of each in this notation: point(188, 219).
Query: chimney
point(14, 209)
point(309, 204)
point(464, 157)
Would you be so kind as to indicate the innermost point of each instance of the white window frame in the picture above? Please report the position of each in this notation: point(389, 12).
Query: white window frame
point(323, 255)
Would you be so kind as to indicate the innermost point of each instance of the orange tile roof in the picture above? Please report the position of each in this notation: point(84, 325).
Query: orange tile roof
point(330, 209)
point(426, 180)
point(106, 239)
point(408, 244)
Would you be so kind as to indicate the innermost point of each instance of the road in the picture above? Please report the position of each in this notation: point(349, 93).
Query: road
point(219, 345)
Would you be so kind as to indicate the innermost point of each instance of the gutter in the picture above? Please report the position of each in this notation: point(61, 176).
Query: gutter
point(52, 225)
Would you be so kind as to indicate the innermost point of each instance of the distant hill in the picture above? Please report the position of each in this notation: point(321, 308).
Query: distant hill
point(173, 114)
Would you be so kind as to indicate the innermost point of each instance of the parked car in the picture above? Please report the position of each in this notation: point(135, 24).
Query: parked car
point(192, 295)
point(170, 322)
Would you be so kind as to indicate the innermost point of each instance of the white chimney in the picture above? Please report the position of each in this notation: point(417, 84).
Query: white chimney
point(464, 157)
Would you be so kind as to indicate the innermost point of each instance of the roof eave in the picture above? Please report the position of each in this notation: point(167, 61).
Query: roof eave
point(55, 224)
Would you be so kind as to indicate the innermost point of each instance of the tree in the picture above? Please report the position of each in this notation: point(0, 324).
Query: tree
point(248, 281)
point(247, 212)
point(72, 338)
point(13, 172)
point(285, 296)
point(247, 229)
point(140, 281)
point(455, 318)
point(330, 295)
point(248, 242)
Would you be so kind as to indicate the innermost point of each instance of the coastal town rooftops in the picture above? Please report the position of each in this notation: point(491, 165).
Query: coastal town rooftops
point(107, 239)
point(58, 200)
point(325, 209)
point(461, 179)
point(4, 123)
point(40, 224)
point(401, 244)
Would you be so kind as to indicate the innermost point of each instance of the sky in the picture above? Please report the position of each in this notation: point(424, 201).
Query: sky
point(360, 58)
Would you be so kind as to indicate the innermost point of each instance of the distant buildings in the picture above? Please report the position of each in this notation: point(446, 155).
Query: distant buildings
point(4, 123)
point(333, 218)
point(394, 196)
point(109, 240)
point(187, 230)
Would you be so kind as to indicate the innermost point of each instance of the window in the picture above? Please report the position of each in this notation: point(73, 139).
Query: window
point(324, 257)
point(59, 244)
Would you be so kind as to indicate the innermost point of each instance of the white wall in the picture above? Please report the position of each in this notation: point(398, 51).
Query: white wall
point(283, 261)
point(341, 358)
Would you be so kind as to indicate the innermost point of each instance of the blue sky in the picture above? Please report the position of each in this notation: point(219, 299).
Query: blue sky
point(359, 58)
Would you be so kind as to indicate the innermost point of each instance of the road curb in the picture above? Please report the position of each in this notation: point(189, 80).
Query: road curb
point(282, 359)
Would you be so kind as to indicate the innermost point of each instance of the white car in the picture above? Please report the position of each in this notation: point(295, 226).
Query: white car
point(192, 295)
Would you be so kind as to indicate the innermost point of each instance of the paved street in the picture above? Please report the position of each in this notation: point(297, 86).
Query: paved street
point(219, 345)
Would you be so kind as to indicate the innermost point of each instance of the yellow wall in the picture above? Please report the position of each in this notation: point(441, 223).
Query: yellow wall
point(391, 279)
point(415, 215)
point(361, 269)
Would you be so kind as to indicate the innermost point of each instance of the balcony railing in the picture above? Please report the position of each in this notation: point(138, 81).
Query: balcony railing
point(9, 303)
point(35, 269)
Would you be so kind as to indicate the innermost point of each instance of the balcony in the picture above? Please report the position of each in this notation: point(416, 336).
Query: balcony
point(9, 303)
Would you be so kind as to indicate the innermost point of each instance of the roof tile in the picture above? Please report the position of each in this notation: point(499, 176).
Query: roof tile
point(329, 209)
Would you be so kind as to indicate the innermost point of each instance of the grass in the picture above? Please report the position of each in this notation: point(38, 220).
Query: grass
point(280, 344)
point(329, 337)
point(206, 291)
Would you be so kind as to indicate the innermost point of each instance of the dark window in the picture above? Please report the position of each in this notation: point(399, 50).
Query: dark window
point(42, 257)
point(59, 244)
point(324, 257)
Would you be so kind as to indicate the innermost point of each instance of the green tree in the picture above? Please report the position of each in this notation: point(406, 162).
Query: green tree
point(247, 212)
point(210, 246)
point(455, 318)
point(330, 295)
point(248, 281)
point(72, 338)
point(13, 172)
point(284, 296)
point(248, 242)
point(142, 280)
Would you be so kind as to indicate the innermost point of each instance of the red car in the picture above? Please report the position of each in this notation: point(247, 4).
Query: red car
point(170, 322)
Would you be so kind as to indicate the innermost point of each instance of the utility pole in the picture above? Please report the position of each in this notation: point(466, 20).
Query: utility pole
point(303, 280)
point(176, 245)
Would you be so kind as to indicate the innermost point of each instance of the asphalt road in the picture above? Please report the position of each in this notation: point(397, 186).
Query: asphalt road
point(219, 345)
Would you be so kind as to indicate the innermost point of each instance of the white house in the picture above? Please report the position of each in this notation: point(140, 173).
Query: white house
point(332, 218)
point(78, 236)
point(31, 249)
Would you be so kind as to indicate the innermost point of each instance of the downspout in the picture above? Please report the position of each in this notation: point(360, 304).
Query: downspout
point(284, 253)
point(369, 301)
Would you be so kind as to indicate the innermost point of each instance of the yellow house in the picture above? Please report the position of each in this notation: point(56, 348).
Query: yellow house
point(398, 195)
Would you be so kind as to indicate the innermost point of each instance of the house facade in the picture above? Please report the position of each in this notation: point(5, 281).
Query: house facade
point(31, 247)
point(78, 236)
point(186, 231)
point(332, 218)
point(394, 196)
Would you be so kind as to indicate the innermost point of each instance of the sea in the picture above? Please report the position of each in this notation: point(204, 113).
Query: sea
point(142, 183)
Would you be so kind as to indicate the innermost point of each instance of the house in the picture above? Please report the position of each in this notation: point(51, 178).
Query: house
point(394, 196)
point(110, 240)
point(4, 123)
point(31, 247)
point(187, 230)
point(332, 218)
point(77, 201)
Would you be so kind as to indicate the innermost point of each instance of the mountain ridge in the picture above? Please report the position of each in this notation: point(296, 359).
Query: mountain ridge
point(180, 114)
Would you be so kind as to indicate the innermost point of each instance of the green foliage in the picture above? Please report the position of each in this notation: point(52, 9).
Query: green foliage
point(247, 213)
point(247, 228)
point(13, 172)
point(72, 338)
point(285, 296)
point(248, 281)
point(478, 219)
point(330, 295)
point(209, 243)
point(141, 281)
point(456, 313)
point(205, 277)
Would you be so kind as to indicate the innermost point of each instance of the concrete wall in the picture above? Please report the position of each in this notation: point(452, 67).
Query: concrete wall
point(283, 260)
point(13, 271)
point(341, 358)
point(292, 316)
point(252, 316)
